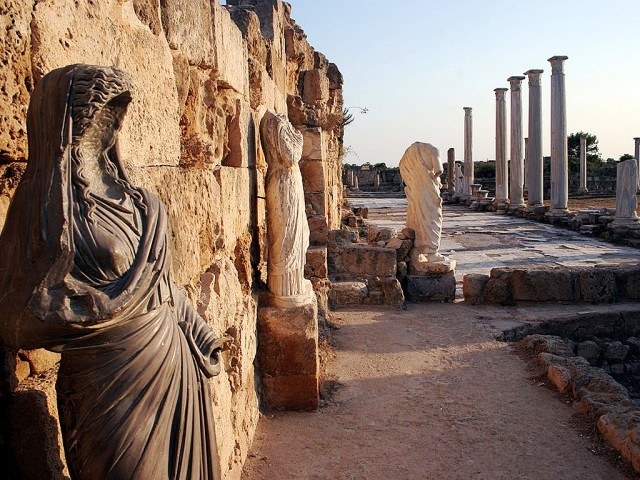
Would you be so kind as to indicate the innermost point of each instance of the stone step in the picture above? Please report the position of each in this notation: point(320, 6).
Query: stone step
point(348, 293)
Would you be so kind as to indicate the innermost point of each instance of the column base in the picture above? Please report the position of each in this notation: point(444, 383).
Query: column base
point(583, 191)
point(557, 212)
point(288, 357)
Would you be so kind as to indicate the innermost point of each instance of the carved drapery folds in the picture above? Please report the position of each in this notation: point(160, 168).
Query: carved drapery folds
point(89, 277)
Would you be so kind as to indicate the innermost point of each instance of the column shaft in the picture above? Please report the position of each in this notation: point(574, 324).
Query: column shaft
point(535, 164)
point(559, 149)
point(516, 184)
point(468, 151)
point(502, 167)
point(583, 166)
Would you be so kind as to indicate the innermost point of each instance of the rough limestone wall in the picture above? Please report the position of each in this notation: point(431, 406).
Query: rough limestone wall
point(204, 76)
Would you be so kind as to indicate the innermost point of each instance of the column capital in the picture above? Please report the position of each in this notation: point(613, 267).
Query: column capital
point(557, 63)
point(501, 93)
point(637, 139)
point(467, 109)
point(516, 82)
point(535, 77)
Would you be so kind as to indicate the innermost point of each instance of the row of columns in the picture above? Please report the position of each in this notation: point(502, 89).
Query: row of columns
point(510, 184)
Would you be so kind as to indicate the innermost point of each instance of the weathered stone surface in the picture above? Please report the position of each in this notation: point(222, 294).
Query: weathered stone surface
point(33, 431)
point(344, 294)
point(549, 344)
point(622, 431)
point(316, 265)
point(15, 78)
point(365, 260)
point(316, 86)
point(628, 282)
point(188, 28)
point(473, 287)
point(288, 357)
point(230, 51)
point(597, 285)
point(589, 350)
point(539, 284)
point(498, 292)
point(39, 360)
point(392, 291)
point(432, 288)
point(616, 351)
point(68, 31)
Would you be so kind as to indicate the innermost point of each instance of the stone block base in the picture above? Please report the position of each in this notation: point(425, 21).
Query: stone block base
point(288, 357)
point(433, 287)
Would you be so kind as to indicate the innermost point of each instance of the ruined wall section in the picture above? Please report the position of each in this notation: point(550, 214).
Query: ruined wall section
point(204, 76)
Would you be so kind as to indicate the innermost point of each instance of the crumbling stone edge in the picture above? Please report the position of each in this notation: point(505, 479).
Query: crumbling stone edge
point(594, 391)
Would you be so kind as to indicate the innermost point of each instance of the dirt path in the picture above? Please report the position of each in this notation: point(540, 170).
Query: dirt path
point(427, 394)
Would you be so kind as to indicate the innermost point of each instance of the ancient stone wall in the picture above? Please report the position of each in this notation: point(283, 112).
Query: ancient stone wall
point(204, 76)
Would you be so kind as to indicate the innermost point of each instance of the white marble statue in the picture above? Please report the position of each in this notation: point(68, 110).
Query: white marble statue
point(287, 225)
point(626, 200)
point(421, 168)
point(459, 180)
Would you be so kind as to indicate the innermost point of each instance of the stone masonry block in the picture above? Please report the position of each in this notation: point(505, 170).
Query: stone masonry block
point(316, 265)
point(597, 285)
point(473, 287)
point(288, 357)
point(316, 86)
point(366, 261)
point(432, 288)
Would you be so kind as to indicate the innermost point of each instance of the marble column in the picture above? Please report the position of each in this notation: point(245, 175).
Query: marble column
point(534, 164)
point(451, 170)
point(468, 151)
point(583, 166)
point(526, 159)
point(637, 155)
point(626, 189)
point(502, 167)
point(516, 183)
point(559, 148)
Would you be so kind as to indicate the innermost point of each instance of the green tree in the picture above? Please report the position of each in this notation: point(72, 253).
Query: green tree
point(380, 166)
point(626, 156)
point(573, 142)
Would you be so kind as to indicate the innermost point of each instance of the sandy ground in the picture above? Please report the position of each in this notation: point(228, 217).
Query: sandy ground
point(428, 394)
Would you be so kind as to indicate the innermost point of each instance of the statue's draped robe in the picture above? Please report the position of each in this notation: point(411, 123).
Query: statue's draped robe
point(288, 230)
point(424, 204)
point(132, 392)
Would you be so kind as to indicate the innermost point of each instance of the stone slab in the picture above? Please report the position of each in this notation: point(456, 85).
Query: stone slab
point(432, 288)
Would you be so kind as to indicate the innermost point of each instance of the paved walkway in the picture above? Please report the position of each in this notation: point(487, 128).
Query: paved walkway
point(427, 393)
point(480, 241)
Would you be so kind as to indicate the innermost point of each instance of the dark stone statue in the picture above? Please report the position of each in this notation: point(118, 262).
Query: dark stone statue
point(84, 271)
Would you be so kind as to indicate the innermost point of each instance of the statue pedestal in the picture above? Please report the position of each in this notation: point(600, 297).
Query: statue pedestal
point(433, 287)
point(288, 356)
point(431, 281)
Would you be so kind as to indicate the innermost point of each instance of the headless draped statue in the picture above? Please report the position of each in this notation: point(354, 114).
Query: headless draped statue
point(421, 168)
point(85, 272)
point(626, 191)
point(459, 180)
point(287, 225)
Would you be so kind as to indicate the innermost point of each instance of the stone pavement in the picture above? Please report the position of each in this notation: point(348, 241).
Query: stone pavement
point(480, 241)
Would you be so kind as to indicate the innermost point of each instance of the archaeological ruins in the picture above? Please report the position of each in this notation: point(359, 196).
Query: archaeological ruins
point(196, 283)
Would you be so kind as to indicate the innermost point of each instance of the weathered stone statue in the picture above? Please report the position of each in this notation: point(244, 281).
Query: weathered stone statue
point(85, 272)
point(287, 225)
point(421, 168)
point(459, 180)
point(626, 188)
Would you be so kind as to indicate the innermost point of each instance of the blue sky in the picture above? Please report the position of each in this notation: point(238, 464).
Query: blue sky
point(415, 64)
